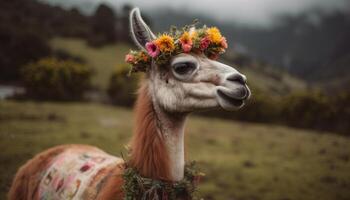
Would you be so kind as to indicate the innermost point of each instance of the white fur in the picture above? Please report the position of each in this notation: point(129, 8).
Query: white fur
point(175, 145)
point(179, 94)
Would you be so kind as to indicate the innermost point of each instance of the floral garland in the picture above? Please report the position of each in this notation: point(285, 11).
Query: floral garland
point(137, 187)
point(206, 40)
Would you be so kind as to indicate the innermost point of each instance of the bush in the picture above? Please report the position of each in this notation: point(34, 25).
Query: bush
point(259, 108)
point(318, 111)
point(122, 88)
point(341, 109)
point(308, 109)
point(53, 79)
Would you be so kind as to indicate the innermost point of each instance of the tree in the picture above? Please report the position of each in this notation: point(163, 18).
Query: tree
point(17, 49)
point(103, 26)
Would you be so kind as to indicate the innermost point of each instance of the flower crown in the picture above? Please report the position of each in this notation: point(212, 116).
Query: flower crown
point(206, 40)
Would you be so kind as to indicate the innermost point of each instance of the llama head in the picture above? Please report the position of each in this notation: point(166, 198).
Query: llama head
point(189, 81)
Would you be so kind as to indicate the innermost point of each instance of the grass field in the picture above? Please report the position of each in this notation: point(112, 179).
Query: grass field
point(242, 161)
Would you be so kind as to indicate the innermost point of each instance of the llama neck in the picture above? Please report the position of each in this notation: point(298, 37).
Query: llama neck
point(158, 142)
point(172, 128)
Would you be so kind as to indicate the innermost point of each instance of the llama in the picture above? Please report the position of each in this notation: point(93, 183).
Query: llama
point(189, 81)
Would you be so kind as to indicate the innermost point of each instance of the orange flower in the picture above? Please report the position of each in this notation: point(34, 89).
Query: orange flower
point(144, 56)
point(165, 43)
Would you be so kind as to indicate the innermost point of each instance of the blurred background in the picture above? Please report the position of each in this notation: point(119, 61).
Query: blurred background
point(63, 80)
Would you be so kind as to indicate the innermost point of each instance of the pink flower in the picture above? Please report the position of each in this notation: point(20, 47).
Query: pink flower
point(129, 58)
point(152, 49)
point(204, 43)
point(186, 47)
point(224, 43)
point(186, 42)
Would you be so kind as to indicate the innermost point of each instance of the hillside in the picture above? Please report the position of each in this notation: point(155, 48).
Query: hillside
point(263, 76)
point(242, 161)
point(103, 60)
point(313, 45)
point(106, 59)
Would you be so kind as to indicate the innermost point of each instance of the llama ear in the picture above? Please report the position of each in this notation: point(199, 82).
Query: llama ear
point(140, 32)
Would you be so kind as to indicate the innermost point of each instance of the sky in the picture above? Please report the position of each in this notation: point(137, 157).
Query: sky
point(262, 12)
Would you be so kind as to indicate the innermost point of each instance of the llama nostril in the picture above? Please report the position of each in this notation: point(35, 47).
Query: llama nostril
point(237, 78)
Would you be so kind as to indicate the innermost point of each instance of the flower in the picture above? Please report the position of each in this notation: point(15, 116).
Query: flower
point(194, 34)
point(165, 43)
point(152, 49)
point(214, 35)
point(223, 43)
point(186, 42)
point(142, 56)
point(208, 41)
point(129, 58)
point(204, 43)
point(186, 48)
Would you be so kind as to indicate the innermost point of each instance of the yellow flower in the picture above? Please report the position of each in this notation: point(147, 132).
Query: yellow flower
point(165, 43)
point(186, 38)
point(214, 35)
point(194, 35)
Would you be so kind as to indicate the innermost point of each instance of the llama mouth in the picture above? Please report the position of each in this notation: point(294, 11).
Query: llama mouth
point(228, 101)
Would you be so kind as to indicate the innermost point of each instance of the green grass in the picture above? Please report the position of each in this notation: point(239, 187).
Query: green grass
point(243, 161)
point(104, 60)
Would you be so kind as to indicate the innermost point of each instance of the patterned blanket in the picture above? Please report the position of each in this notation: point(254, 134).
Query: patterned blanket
point(75, 175)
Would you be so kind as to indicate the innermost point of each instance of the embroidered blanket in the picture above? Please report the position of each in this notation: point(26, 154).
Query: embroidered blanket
point(75, 175)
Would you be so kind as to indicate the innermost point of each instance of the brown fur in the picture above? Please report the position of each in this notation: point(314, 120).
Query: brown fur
point(148, 151)
point(149, 156)
point(27, 179)
point(112, 189)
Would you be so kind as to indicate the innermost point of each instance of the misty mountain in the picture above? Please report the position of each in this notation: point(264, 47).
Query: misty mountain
point(311, 45)
point(304, 44)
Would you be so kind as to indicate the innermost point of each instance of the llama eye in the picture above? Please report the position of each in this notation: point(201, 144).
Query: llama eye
point(184, 68)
